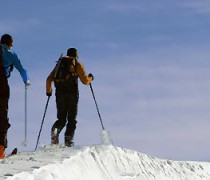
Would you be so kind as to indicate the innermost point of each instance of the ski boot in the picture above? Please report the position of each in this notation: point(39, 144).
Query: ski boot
point(2, 153)
point(55, 136)
point(69, 141)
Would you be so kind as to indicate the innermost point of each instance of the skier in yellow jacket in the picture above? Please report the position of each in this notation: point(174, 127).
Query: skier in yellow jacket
point(65, 77)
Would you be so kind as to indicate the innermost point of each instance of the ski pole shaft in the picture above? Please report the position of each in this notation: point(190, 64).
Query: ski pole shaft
point(25, 113)
point(25, 141)
point(96, 106)
point(42, 122)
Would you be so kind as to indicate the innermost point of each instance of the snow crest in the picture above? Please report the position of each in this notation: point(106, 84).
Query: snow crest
point(101, 162)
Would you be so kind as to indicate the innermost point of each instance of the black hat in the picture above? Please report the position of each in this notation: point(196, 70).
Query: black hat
point(6, 39)
point(72, 52)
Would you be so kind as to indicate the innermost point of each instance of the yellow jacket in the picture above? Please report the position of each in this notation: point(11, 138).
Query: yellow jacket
point(79, 71)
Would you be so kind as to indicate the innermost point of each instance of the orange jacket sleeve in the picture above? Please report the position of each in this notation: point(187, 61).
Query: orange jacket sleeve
point(49, 81)
point(80, 71)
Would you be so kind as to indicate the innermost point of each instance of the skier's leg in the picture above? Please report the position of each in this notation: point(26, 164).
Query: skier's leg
point(71, 125)
point(4, 125)
point(61, 115)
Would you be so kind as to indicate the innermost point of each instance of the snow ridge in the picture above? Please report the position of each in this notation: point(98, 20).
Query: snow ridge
point(101, 162)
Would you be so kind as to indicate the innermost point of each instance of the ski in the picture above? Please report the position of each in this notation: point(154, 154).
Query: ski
point(12, 153)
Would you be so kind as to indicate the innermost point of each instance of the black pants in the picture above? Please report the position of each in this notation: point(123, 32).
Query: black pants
point(67, 104)
point(4, 99)
point(4, 121)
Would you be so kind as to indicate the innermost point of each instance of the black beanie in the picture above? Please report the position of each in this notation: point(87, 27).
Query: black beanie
point(6, 39)
point(72, 52)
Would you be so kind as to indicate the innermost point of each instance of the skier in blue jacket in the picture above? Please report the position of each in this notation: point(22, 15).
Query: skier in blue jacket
point(9, 60)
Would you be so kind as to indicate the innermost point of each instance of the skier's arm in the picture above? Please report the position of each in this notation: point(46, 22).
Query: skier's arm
point(16, 62)
point(82, 75)
point(49, 81)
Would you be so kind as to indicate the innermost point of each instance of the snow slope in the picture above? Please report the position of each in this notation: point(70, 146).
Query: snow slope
point(100, 162)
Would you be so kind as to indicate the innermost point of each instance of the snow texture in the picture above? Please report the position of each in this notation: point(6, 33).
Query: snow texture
point(97, 162)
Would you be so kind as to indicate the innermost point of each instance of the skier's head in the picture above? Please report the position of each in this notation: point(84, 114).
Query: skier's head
point(7, 39)
point(72, 52)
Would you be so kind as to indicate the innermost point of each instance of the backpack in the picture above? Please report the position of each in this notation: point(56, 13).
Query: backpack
point(65, 72)
point(2, 70)
point(4, 90)
point(1, 52)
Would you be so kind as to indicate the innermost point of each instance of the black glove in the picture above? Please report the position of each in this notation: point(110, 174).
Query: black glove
point(90, 75)
point(49, 94)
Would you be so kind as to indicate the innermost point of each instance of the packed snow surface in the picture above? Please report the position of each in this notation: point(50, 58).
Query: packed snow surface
point(97, 162)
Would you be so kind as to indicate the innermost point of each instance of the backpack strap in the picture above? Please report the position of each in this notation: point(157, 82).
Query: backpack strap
point(58, 65)
point(1, 52)
point(10, 67)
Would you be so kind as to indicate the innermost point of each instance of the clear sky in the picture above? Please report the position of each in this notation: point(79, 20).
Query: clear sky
point(151, 63)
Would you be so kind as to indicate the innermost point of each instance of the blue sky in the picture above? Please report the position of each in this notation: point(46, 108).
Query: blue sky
point(151, 65)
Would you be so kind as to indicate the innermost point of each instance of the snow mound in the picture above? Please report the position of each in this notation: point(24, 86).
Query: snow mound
point(101, 162)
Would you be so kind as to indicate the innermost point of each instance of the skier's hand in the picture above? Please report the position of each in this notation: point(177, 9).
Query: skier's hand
point(49, 94)
point(90, 75)
point(28, 84)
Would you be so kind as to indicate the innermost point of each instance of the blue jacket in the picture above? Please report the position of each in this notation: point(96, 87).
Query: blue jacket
point(11, 58)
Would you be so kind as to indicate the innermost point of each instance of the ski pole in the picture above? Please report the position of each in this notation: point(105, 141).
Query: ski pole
point(96, 106)
point(26, 124)
point(42, 122)
point(25, 141)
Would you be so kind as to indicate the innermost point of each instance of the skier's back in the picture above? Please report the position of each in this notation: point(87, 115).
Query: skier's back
point(67, 94)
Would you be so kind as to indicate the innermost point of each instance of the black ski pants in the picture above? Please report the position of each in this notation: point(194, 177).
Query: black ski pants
point(67, 104)
point(4, 100)
point(4, 121)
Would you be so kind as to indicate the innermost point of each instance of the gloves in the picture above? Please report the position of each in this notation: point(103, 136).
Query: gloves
point(90, 75)
point(49, 94)
point(28, 83)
